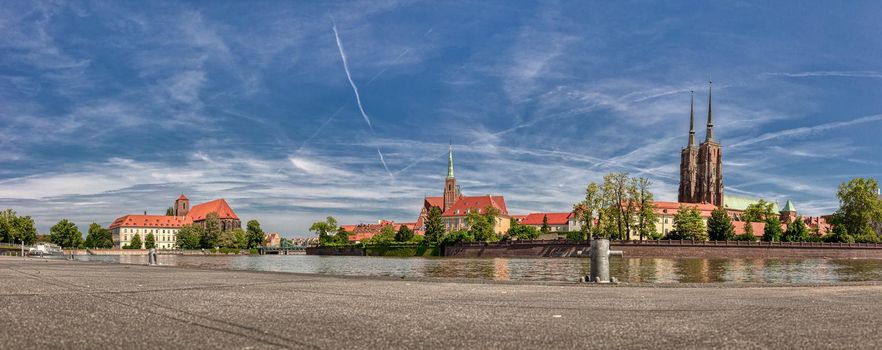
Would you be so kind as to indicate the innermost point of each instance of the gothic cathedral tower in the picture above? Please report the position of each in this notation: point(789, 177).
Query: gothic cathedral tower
point(451, 189)
point(688, 162)
point(701, 179)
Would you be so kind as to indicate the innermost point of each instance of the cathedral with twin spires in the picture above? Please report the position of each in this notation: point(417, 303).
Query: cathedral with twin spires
point(701, 167)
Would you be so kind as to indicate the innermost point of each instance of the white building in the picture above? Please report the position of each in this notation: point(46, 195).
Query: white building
point(164, 229)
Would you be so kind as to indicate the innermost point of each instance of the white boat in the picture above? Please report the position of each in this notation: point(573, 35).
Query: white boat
point(45, 249)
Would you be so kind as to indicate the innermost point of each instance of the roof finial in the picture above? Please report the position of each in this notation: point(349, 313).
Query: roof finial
point(692, 119)
point(710, 121)
point(450, 161)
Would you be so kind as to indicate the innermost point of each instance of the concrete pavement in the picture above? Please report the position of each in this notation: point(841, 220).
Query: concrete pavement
point(61, 304)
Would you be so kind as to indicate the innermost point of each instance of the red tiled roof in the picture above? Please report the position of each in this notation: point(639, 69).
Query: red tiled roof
point(465, 204)
point(183, 198)
point(435, 202)
point(672, 207)
point(553, 218)
point(519, 218)
point(218, 206)
point(159, 221)
point(362, 232)
point(758, 228)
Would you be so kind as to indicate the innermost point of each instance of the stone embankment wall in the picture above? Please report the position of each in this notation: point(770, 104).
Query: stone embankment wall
point(390, 250)
point(671, 249)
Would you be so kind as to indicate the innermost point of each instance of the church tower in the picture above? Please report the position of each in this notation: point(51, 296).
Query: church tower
point(182, 205)
point(689, 162)
point(451, 189)
point(710, 163)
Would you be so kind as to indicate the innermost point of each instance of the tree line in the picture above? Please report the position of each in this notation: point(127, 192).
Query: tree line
point(65, 233)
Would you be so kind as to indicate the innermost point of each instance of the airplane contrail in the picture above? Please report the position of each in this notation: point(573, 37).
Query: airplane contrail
point(383, 160)
point(808, 130)
point(349, 76)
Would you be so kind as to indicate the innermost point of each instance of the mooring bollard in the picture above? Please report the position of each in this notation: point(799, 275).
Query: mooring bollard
point(151, 257)
point(600, 260)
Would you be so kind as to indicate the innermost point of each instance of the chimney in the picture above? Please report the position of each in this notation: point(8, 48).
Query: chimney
point(145, 212)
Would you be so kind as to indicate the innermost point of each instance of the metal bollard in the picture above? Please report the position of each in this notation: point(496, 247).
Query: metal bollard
point(600, 260)
point(151, 257)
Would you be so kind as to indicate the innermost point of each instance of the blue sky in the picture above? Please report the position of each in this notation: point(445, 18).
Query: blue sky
point(112, 108)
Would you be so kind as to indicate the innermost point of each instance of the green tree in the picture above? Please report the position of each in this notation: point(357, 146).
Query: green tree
point(587, 208)
point(98, 237)
point(688, 224)
point(234, 239)
point(7, 226)
point(481, 225)
point(189, 237)
point(772, 232)
point(404, 234)
point(748, 233)
point(839, 235)
point(170, 211)
point(759, 211)
point(796, 231)
point(646, 216)
point(523, 231)
point(324, 230)
point(150, 241)
point(545, 228)
point(135, 243)
point(619, 209)
point(386, 235)
point(434, 225)
point(859, 207)
point(458, 236)
point(15, 229)
point(719, 226)
point(26, 231)
point(66, 234)
point(211, 231)
point(255, 236)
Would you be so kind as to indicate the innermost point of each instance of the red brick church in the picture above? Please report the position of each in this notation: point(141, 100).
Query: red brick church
point(701, 167)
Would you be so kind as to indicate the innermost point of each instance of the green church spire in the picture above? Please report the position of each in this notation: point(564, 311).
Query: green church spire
point(788, 207)
point(450, 162)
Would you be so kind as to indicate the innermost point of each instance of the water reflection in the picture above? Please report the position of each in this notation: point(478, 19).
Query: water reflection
point(633, 270)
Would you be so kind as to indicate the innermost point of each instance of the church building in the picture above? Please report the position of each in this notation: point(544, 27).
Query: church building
point(701, 167)
point(455, 207)
point(165, 227)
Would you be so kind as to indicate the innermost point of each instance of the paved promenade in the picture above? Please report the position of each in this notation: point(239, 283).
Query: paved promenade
point(60, 304)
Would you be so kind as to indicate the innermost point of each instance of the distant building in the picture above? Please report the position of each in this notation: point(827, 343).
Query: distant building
point(165, 227)
point(557, 222)
point(273, 239)
point(364, 232)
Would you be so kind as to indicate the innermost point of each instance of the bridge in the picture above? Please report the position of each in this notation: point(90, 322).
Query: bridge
point(289, 250)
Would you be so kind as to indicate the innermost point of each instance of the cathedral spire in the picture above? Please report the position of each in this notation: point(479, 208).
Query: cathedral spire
point(710, 121)
point(692, 120)
point(450, 161)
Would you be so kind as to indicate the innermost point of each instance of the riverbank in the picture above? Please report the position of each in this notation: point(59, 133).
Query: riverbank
point(641, 249)
point(55, 303)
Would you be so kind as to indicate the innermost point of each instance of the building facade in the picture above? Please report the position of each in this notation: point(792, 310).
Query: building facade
point(165, 227)
point(557, 222)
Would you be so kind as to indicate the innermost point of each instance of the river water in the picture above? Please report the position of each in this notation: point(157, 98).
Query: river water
point(634, 270)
